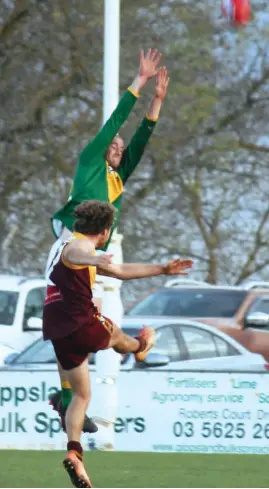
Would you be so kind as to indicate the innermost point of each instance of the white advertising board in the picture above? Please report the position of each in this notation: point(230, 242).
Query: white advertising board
point(159, 411)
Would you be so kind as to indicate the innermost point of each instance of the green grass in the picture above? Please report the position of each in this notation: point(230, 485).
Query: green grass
point(116, 469)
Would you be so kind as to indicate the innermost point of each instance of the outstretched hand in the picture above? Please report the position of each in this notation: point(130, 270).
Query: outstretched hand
point(162, 83)
point(178, 267)
point(149, 63)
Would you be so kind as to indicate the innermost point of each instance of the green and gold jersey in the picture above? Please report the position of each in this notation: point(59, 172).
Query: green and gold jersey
point(94, 179)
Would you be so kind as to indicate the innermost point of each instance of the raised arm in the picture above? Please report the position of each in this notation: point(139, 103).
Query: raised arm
point(148, 68)
point(161, 87)
point(129, 271)
point(136, 148)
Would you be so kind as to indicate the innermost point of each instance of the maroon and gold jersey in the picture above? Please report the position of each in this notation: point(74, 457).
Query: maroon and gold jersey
point(68, 304)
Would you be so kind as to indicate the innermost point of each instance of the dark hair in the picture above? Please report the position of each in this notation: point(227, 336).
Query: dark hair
point(93, 217)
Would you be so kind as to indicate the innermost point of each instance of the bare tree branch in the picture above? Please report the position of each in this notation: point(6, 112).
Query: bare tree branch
point(253, 147)
point(20, 11)
point(249, 265)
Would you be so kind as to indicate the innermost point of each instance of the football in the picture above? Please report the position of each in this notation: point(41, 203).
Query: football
point(236, 11)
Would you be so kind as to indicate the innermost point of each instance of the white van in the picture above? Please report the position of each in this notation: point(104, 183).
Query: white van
point(21, 308)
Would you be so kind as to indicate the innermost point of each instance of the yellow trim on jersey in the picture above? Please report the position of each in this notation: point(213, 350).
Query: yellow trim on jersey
point(153, 119)
point(92, 270)
point(109, 326)
point(92, 273)
point(114, 184)
point(78, 236)
point(136, 94)
point(66, 263)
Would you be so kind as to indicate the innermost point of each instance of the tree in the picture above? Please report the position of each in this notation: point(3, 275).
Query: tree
point(201, 189)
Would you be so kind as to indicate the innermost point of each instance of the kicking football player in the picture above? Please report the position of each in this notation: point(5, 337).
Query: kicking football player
point(74, 325)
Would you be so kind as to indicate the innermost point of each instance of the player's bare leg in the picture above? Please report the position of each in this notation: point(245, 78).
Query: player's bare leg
point(60, 401)
point(79, 380)
point(122, 343)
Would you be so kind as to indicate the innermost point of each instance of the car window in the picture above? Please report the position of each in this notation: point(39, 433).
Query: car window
point(199, 344)
point(167, 344)
point(224, 348)
point(261, 305)
point(34, 304)
point(193, 302)
point(8, 306)
point(150, 306)
point(41, 352)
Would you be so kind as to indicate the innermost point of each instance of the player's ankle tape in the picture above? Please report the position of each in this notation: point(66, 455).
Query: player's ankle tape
point(75, 446)
point(142, 344)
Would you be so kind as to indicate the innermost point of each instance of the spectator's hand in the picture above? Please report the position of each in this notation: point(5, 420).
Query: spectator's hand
point(178, 267)
point(162, 83)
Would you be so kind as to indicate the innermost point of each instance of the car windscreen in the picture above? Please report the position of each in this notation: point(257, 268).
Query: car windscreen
point(198, 303)
point(8, 306)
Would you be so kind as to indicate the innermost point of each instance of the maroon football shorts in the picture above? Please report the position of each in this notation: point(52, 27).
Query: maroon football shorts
point(72, 350)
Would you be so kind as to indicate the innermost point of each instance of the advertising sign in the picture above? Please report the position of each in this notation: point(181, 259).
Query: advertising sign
point(159, 411)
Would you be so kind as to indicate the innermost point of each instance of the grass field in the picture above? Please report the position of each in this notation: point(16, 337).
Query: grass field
point(116, 469)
